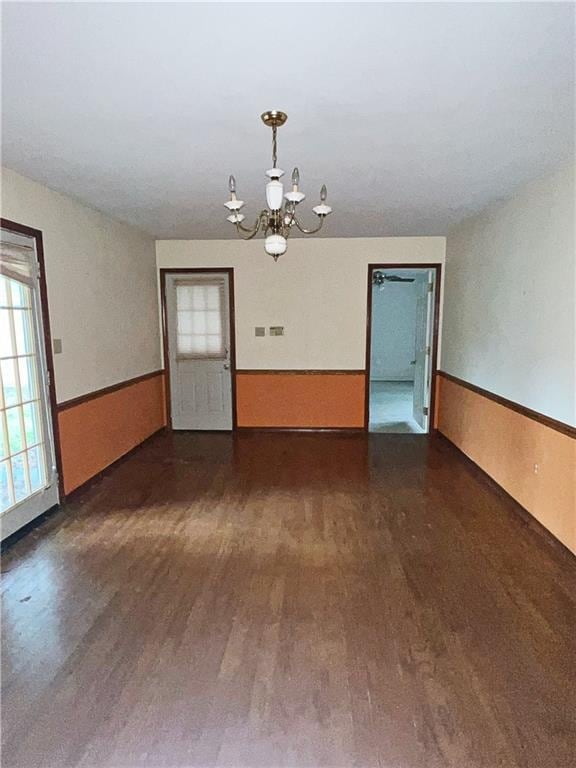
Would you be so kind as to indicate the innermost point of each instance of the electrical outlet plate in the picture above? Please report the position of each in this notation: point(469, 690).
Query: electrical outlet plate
point(259, 331)
point(276, 330)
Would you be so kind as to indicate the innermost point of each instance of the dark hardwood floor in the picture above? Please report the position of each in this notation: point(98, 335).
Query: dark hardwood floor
point(289, 600)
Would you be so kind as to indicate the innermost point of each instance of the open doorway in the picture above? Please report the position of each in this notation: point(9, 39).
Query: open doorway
point(401, 348)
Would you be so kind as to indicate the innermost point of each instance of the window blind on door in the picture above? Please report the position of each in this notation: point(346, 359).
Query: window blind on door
point(17, 257)
point(199, 319)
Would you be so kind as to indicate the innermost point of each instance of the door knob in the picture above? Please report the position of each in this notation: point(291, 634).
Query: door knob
point(226, 366)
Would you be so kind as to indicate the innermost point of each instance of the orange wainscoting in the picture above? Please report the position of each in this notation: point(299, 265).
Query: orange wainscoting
point(508, 446)
point(96, 431)
point(307, 399)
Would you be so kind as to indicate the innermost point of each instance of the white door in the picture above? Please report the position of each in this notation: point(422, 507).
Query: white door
point(28, 478)
point(198, 318)
point(423, 355)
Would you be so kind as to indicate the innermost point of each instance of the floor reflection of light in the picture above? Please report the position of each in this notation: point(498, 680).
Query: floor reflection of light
point(32, 628)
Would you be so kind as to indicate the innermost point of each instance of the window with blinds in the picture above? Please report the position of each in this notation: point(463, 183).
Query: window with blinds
point(199, 319)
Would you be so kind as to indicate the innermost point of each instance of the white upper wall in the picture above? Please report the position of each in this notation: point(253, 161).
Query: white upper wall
point(101, 281)
point(317, 291)
point(510, 296)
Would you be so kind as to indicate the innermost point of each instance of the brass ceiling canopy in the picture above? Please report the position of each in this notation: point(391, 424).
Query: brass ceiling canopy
point(274, 118)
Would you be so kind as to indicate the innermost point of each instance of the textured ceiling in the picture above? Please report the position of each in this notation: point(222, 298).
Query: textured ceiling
point(415, 115)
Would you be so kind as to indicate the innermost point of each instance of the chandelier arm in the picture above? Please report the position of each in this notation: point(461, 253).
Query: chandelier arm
point(309, 231)
point(250, 233)
point(290, 210)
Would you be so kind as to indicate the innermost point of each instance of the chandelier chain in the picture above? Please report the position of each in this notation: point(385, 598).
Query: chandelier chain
point(274, 146)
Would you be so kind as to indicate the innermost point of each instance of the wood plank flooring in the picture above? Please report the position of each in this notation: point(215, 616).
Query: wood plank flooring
point(289, 600)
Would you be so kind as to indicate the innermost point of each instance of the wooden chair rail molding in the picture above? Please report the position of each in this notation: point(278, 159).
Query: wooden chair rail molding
point(66, 404)
point(548, 421)
point(301, 371)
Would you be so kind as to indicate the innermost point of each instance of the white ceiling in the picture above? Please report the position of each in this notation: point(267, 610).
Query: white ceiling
point(415, 115)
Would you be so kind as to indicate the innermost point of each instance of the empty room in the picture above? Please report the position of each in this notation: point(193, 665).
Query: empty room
point(288, 385)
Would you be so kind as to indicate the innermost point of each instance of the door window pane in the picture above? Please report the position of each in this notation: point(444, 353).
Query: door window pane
point(213, 344)
point(6, 499)
point(32, 423)
point(15, 436)
point(21, 294)
point(26, 369)
point(185, 344)
point(3, 439)
point(36, 463)
point(6, 348)
point(199, 322)
point(213, 323)
point(190, 322)
point(213, 296)
point(11, 395)
point(19, 476)
point(184, 294)
point(23, 331)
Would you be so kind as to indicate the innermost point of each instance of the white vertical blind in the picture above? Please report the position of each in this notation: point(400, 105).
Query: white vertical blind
point(199, 319)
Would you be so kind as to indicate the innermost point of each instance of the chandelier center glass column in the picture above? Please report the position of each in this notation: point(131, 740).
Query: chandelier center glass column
point(279, 217)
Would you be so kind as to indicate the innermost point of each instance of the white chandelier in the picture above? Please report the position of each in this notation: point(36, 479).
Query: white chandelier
point(277, 220)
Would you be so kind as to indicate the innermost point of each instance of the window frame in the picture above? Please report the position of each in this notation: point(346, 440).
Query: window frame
point(219, 283)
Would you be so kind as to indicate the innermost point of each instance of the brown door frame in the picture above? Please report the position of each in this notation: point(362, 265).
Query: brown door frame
point(36, 234)
point(437, 267)
point(231, 318)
